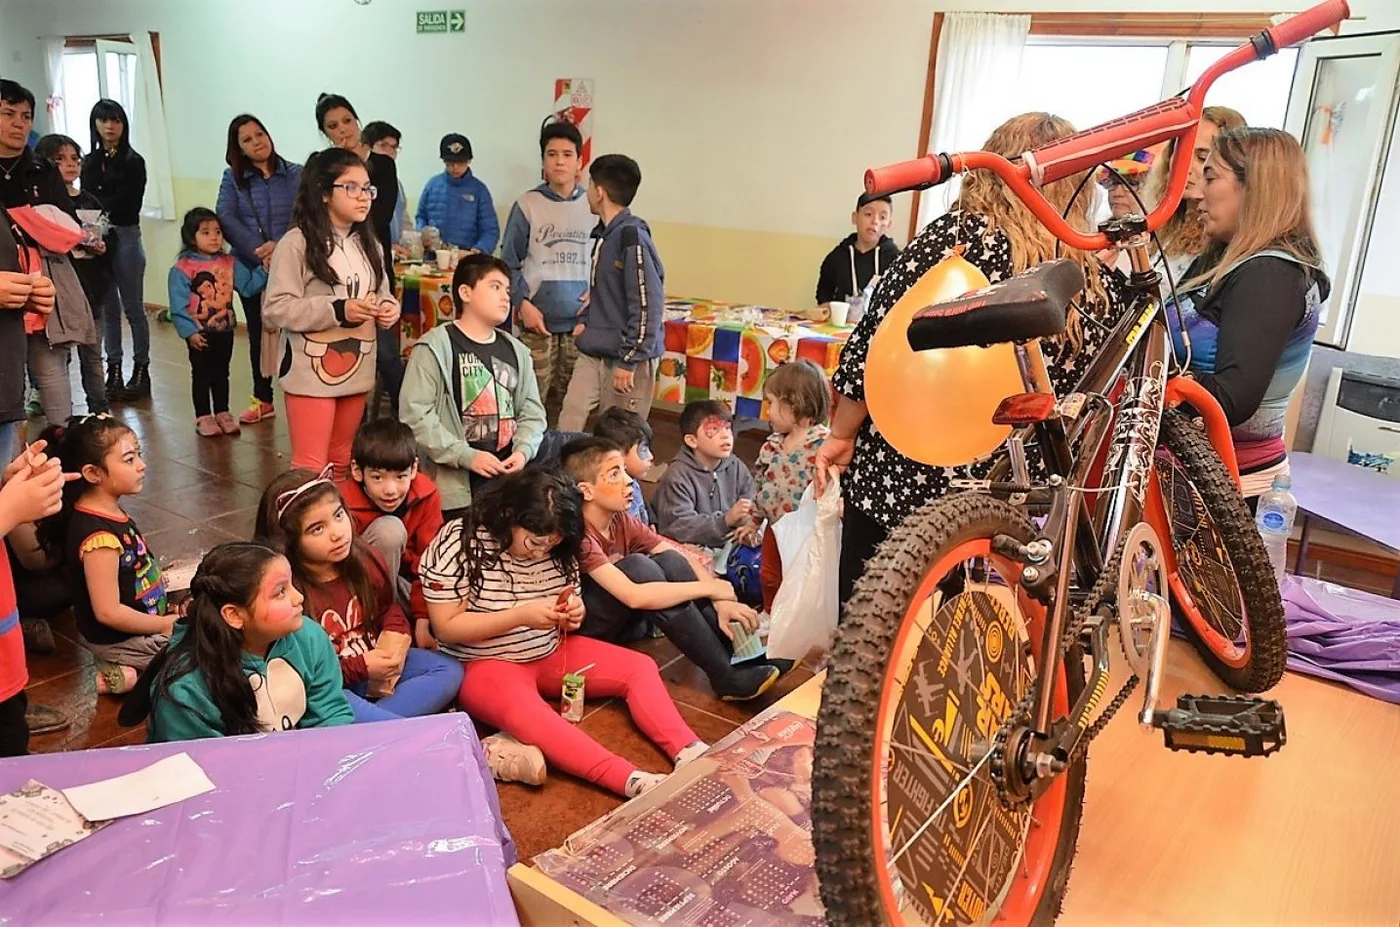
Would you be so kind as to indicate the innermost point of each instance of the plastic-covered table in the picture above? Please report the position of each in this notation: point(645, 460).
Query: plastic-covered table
point(1353, 498)
point(388, 823)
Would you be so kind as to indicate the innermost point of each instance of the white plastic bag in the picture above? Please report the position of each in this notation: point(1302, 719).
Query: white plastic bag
point(806, 606)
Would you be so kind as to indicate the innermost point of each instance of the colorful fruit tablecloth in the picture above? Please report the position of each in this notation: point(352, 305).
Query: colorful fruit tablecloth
point(426, 299)
point(725, 351)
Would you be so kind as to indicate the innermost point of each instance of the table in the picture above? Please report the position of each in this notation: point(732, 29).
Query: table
point(1353, 498)
point(426, 302)
point(389, 823)
point(724, 351)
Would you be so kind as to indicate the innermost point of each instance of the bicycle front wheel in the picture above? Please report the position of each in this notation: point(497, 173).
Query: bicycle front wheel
point(937, 649)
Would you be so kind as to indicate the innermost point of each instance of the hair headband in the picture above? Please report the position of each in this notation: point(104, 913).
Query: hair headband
point(284, 500)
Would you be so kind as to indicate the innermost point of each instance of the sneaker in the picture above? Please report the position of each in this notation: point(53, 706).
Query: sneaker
point(41, 719)
point(207, 427)
point(512, 761)
point(639, 783)
point(257, 411)
point(227, 423)
point(33, 408)
point(750, 683)
point(38, 636)
point(692, 752)
point(115, 679)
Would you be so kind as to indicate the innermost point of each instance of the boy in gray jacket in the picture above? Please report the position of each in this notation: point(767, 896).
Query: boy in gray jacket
point(619, 334)
point(706, 494)
point(469, 391)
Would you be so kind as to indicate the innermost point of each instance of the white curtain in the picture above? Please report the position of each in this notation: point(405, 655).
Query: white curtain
point(53, 59)
point(148, 135)
point(978, 72)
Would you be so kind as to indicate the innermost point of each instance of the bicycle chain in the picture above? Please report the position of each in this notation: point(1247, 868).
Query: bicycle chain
point(1021, 714)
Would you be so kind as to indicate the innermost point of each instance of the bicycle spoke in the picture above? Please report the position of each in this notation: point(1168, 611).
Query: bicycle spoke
point(940, 809)
point(921, 752)
point(967, 861)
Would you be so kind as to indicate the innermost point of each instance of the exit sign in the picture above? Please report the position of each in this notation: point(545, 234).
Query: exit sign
point(441, 21)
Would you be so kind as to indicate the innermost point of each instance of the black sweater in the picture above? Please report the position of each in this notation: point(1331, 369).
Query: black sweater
point(835, 283)
point(118, 180)
point(33, 183)
point(384, 175)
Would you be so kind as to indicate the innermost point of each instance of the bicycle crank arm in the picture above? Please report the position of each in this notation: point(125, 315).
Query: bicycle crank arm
point(1157, 657)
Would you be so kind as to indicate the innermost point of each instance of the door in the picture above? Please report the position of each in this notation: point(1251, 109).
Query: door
point(1341, 109)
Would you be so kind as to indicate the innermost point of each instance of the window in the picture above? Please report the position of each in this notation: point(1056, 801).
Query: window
point(92, 70)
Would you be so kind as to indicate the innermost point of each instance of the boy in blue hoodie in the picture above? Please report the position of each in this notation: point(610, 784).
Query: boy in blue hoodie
point(619, 334)
point(546, 246)
point(457, 203)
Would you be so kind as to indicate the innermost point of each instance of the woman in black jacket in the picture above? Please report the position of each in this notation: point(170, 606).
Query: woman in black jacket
point(116, 175)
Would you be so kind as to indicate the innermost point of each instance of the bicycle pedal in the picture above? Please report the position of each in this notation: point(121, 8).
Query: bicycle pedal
point(1237, 725)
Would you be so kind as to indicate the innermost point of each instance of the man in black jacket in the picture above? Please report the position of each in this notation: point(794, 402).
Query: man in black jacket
point(862, 255)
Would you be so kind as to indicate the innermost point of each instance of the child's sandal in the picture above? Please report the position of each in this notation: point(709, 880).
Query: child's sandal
point(114, 678)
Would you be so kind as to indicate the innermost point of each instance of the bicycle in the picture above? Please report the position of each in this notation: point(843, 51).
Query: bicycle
point(956, 715)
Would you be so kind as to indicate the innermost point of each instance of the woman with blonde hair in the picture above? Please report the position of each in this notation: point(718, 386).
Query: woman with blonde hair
point(1250, 303)
point(1001, 237)
point(1183, 238)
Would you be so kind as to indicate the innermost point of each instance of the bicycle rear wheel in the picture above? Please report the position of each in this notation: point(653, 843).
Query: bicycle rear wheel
point(935, 652)
point(1223, 585)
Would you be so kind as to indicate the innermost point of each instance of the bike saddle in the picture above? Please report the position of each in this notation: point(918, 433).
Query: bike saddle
point(1030, 305)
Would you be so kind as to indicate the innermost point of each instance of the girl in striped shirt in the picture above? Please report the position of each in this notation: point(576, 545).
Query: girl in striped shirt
point(494, 580)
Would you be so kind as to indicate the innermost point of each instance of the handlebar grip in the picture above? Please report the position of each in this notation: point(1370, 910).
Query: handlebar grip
point(918, 174)
point(1308, 23)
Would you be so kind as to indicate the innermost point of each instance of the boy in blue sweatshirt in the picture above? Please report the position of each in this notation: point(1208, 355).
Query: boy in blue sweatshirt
point(546, 246)
point(619, 334)
point(457, 203)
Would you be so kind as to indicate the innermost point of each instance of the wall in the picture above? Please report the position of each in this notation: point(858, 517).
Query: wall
point(753, 120)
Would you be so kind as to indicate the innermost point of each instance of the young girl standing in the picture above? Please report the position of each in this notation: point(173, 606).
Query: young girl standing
point(244, 660)
point(202, 284)
point(352, 595)
point(502, 590)
point(327, 290)
point(799, 403)
point(116, 175)
point(119, 600)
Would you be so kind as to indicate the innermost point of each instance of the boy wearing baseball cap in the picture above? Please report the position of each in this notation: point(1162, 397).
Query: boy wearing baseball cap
point(457, 203)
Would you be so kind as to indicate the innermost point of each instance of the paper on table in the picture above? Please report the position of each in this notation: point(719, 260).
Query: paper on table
point(36, 821)
point(172, 779)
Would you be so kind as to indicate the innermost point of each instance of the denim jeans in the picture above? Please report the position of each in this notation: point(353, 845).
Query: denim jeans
point(428, 685)
point(127, 297)
point(90, 369)
point(389, 365)
point(49, 368)
point(9, 443)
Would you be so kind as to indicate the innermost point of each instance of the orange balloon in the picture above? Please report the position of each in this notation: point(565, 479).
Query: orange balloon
point(936, 406)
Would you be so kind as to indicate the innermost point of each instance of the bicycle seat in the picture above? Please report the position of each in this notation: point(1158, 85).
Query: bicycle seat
point(1029, 305)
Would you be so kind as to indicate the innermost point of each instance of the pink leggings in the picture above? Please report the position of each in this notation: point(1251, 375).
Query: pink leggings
point(522, 699)
point(322, 430)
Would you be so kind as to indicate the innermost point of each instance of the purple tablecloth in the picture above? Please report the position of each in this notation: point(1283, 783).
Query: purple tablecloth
point(1344, 635)
point(1359, 500)
point(389, 823)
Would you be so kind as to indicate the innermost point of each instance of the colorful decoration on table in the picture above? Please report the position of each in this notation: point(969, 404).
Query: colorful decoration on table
point(573, 103)
point(936, 406)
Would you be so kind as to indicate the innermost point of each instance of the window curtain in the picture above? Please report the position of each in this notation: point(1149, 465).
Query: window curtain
point(148, 134)
point(975, 81)
point(53, 60)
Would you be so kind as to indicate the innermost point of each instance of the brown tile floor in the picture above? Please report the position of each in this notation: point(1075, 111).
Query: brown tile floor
point(200, 492)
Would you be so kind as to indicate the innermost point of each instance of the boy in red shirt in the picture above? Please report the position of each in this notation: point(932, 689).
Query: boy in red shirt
point(397, 510)
point(634, 578)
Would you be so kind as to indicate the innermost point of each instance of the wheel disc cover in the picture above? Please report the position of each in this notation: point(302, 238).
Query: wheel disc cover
point(1142, 579)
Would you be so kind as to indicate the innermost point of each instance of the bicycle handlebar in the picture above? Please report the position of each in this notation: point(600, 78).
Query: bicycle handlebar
point(1176, 118)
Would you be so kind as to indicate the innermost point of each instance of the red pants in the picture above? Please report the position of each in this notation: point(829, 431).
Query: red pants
point(322, 430)
point(522, 699)
point(770, 569)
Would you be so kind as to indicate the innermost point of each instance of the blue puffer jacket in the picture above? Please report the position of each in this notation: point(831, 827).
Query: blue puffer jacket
point(461, 210)
point(258, 211)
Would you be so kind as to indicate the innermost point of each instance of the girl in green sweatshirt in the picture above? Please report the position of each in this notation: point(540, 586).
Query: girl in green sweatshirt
point(244, 660)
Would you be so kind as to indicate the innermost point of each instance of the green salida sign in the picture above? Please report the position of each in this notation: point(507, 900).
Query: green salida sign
point(441, 21)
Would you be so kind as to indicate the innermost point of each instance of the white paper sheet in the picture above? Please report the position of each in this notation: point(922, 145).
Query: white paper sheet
point(172, 779)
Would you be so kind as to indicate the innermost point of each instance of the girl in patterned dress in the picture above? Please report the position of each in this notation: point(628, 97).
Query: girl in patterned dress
point(1001, 237)
point(799, 404)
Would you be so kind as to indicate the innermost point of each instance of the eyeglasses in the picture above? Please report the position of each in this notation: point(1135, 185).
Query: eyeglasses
point(353, 190)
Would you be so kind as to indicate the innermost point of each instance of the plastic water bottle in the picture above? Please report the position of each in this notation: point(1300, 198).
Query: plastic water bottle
point(1274, 519)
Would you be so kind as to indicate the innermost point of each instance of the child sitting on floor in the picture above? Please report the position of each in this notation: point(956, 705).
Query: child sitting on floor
point(634, 578)
point(631, 433)
point(243, 660)
point(351, 593)
point(502, 590)
point(119, 601)
point(397, 509)
point(469, 390)
point(798, 396)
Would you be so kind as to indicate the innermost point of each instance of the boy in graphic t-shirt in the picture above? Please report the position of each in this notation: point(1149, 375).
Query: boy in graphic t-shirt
point(469, 391)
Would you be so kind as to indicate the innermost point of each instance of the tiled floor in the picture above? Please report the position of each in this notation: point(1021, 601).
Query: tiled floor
point(200, 492)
